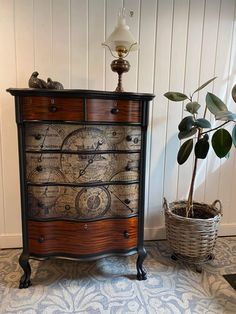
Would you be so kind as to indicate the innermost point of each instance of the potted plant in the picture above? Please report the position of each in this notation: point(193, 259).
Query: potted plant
point(191, 227)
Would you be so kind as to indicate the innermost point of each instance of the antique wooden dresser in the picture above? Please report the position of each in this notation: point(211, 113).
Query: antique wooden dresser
point(82, 174)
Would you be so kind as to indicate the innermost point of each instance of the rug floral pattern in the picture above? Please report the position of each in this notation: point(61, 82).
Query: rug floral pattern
point(109, 285)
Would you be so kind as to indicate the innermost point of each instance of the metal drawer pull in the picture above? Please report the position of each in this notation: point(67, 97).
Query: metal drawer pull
point(41, 239)
point(126, 234)
point(52, 108)
point(128, 168)
point(39, 168)
point(85, 227)
point(37, 136)
point(128, 138)
point(114, 110)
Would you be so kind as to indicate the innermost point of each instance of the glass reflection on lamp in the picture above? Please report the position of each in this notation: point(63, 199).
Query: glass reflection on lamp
point(122, 42)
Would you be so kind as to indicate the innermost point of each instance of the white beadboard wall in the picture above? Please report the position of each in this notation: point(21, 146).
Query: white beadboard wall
point(182, 43)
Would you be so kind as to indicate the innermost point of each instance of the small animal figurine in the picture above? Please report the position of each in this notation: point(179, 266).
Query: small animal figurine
point(54, 84)
point(35, 82)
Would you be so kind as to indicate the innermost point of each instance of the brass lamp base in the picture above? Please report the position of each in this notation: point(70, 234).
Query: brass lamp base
point(120, 66)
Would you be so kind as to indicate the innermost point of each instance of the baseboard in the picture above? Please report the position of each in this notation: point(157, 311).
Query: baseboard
point(14, 240)
point(10, 241)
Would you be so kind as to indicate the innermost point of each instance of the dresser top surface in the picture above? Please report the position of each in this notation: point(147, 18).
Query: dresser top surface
point(79, 93)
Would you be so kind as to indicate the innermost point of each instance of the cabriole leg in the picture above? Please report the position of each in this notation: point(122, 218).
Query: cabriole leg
point(141, 273)
point(24, 263)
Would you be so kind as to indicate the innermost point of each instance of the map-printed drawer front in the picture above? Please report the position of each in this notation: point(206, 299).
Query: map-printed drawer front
point(83, 203)
point(81, 168)
point(46, 108)
point(80, 238)
point(81, 138)
point(113, 110)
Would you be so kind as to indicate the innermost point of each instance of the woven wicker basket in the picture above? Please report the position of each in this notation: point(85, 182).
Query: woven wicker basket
point(192, 239)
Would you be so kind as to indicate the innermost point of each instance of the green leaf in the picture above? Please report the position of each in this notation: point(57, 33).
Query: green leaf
point(204, 85)
point(185, 151)
point(234, 135)
point(215, 104)
point(186, 124)
point(186, 134)
point(234, 93)
point(221, 142)
point(225, 115)
point(201, 148)
point(202, 123)
point(192, 107)
point(175, 96)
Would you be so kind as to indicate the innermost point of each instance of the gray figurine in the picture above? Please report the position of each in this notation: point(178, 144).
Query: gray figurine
point(35, 82)
point(54, 84)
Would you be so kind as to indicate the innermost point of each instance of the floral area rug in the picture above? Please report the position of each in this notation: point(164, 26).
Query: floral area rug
point(109, 285)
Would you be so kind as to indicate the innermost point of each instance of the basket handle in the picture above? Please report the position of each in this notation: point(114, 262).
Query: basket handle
point(165, 204)
point(214, 204)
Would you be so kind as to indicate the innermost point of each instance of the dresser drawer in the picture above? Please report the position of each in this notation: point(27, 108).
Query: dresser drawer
point(81, 168)
point(58, 237)
point(83, 203)
point(47, 108)
point(73, 137)
point(113, 110)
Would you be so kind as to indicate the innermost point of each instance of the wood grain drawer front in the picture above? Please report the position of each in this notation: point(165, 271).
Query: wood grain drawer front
point(113, 110)
point(82, 238)
point(46, 108)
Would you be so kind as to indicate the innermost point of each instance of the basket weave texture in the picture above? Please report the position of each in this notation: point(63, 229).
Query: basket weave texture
point(192, 239)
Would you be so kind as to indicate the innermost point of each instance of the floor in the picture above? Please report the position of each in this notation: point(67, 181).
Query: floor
point(109, 285)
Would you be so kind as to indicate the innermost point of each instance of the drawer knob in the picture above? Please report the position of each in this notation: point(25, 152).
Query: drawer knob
point(114, 110)
point(67, 207)
point(127, 201)
point(128, 168)
point(41, 239)
point(40, 205)
point(52, 108)
point(128, 138)
point(85, 227)
point(39, 168)
point(126, 234)
point(37, 136)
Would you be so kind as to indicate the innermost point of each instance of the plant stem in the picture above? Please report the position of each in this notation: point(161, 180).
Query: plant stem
point(190, 195)
point(216, 127)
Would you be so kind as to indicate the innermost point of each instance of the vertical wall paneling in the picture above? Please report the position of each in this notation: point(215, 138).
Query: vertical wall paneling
point(193, 52)
point(146, 54)
point(23, 28)
point(43, 38)
point(60, 42)
point(220, 88)
point(154, 219)
point(6, 23)
point(24, 36)
point(96, 30)
point(147, 42)
point(112, 9)
point(177, 79)
point(130, 78)
point(182, 44)
point(79, 44)
point(231, 104)
point(223, 59)
point(207, 71)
